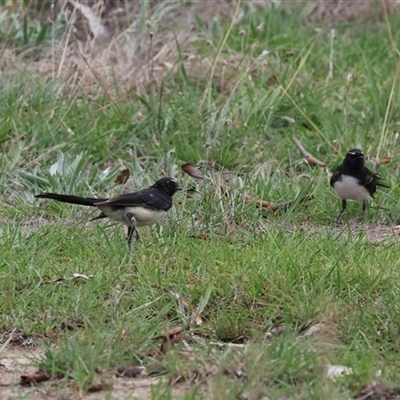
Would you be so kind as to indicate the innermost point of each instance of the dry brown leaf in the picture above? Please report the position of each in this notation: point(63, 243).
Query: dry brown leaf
point(273, 80)
point(198, 320)
point(191, 170)
point(34, 379)
point(385, 160)
point(169, 338)
point(99, 387)
point(123, 176)
point(308, 157)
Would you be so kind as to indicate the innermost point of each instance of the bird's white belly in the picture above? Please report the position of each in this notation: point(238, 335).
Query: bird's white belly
point(143, 216)
point(348, 188)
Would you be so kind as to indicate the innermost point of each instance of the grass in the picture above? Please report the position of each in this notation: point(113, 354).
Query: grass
point(258, 281)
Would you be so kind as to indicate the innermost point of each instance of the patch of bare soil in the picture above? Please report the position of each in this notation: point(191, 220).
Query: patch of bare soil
point(16, 362)
point(372, 233)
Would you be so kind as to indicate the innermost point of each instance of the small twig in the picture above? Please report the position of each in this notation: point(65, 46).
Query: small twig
point(273, 207)
point(260, 203)
point(309, 158)
point(286, 204)
point(267, 205)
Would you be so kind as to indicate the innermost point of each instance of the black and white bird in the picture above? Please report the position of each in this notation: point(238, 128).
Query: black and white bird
point(145, 207)
point(352, 180)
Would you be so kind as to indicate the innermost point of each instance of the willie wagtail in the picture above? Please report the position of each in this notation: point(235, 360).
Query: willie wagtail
point(352, 180)
point(145, 207)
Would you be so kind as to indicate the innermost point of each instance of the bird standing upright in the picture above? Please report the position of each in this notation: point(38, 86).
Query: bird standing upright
point(352, 180)
point(145, 207)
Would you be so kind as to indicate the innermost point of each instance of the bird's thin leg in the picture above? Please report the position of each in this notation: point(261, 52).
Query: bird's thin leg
point(137, 236)
point(364, 209)
point(341, 212)
point(131, 229)
point(129, 236)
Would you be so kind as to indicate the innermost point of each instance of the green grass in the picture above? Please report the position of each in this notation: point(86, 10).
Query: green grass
point(255, 272)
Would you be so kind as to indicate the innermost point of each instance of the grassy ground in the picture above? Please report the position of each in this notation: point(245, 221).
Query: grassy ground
point(217, 302)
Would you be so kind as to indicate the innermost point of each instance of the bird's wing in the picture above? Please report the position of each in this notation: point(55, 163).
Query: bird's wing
point(335, 176)
point(373, 180)
point(149, 197)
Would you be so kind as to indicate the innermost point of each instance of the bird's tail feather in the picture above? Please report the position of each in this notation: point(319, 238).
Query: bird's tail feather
point(69, 198)
point(380, 183)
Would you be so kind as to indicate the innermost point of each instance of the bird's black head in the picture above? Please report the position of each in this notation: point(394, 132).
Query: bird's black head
point(167, 185)
point(354, 158)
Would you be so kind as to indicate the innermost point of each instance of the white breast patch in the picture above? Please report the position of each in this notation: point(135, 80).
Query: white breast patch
point(348, 188)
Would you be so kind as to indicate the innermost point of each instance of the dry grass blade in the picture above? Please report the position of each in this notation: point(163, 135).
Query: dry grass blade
point(169, 338)
point(268, 206)
point(185, 303)
point(101, 81)
point(188, 307)
point(221, 46)
point(260, 203)
point(208, 236)
point(97, 29)
point(273, 207)
point(309, 158)
point(389, 111)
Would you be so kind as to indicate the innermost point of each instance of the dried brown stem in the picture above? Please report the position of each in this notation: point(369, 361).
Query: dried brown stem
point(273, 207)
point(267, 205)
point(309, 158)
